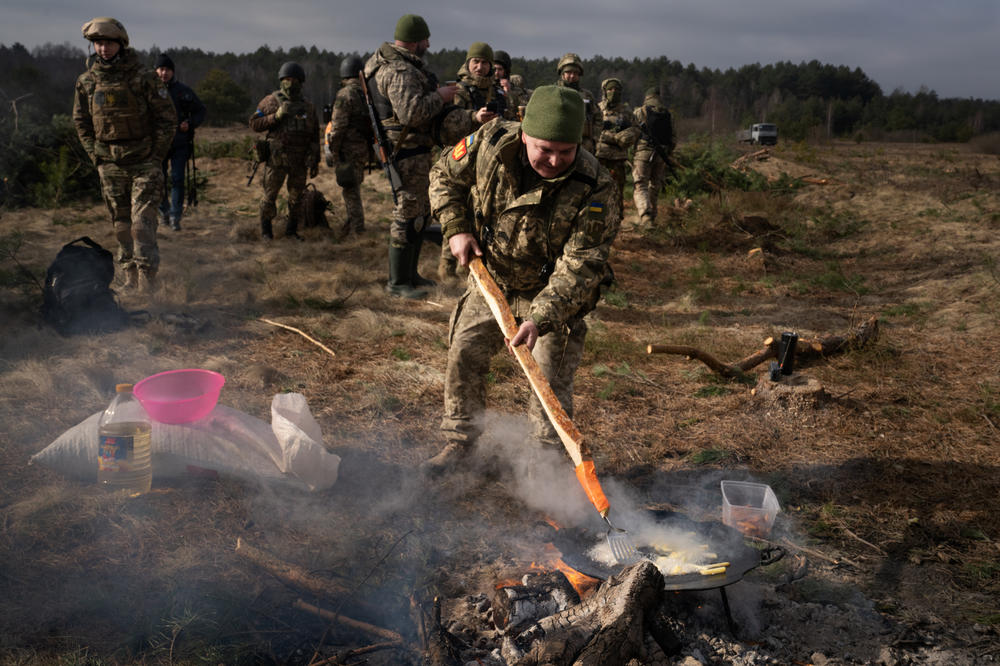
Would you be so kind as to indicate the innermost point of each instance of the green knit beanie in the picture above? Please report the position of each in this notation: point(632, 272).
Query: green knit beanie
point(479, 50)
point(411, 28)
point(554, 113)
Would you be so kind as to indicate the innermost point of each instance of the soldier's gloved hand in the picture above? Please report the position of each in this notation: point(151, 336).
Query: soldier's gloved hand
point(313, 170)
point(283, 110)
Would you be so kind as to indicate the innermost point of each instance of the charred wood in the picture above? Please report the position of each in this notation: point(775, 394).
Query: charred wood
point(515, 607)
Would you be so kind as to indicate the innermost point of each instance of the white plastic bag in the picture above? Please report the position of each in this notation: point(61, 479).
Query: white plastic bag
point(227, 441)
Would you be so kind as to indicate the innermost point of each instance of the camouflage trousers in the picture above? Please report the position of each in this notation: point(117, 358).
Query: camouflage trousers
point(274, 178)
point(474, 338)
point(133, 194)
point(413, 200)
point(352, 195)
point(648, 175)
point(617, 169)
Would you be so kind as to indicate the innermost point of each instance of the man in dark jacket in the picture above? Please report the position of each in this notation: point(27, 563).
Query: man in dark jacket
point(190, 114)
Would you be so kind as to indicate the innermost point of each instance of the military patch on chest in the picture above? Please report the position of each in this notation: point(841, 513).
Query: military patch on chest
point(163, 93)
point(461, 148)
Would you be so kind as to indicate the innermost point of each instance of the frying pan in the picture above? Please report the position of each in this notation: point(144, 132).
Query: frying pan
point(727, 543)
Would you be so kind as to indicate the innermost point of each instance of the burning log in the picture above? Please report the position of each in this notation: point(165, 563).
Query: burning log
point(805, 350)
point(607, 629)
point(540, 595)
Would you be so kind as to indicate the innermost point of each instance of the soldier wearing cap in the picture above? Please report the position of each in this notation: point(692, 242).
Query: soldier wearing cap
point(190, 115)
point(126, 122)
point(408, 101)
point(618, 133)
point(570, 69)
point(649, 171)
point(349, 141)
point(292, 128)
point(542, 214)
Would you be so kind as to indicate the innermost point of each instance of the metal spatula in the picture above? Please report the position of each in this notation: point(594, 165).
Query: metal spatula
point(622, 547)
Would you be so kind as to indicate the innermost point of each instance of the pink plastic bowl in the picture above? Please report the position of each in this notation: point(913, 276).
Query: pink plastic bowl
point(179, 396)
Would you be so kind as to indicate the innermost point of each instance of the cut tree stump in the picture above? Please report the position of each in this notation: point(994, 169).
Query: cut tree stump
point(608, 629)
point(805, 350)
point(792, 392)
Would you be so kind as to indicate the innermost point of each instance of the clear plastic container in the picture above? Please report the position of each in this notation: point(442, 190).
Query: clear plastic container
point(749, 507)
point(124, 457)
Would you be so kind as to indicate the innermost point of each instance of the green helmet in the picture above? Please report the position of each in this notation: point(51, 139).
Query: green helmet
point(569, 60)
point(105, 27)
point(502, 58)
point(293, 70)
point(611, 83)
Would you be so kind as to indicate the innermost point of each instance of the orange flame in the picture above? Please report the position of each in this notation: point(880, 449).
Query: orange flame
point(581, 582)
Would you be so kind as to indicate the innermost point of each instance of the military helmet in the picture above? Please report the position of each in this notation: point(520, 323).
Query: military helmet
point(350, 66)
point(293, 70)
point(611, 83)
point(105, 27)
point(569, 60)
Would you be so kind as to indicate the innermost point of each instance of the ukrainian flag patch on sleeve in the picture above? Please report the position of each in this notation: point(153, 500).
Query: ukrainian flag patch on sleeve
point(595, 210)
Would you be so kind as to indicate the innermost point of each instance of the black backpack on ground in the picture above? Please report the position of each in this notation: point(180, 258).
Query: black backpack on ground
point(314, 206)
point(77, 296)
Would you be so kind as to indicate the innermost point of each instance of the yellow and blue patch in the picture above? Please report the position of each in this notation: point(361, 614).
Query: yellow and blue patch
point(595, 210)
point(461, 148)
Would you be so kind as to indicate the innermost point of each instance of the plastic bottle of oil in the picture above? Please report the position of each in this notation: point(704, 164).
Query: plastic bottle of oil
point(124, 459)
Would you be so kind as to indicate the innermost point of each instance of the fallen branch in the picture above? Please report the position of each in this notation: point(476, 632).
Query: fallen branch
point(302, 333)
point(385, 634)
point(805, 350)
point(342, 658)
point(296, 576)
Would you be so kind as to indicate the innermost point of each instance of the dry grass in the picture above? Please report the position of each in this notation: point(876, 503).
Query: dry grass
point(903, 456)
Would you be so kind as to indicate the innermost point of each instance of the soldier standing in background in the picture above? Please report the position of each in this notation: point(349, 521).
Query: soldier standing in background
point(618, 133)
point(521, 90)
point(649, 170)
point(570, 69)
point(349, 142)
point(516, 95)
point(481, 99)
point(125, 121)
point(293, 147)
point(190, 115)
point(543, 218)
point(407, 100)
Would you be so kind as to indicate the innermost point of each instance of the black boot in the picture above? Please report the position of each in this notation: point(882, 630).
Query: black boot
point(266, 233)
point(292, 228)
point(399, 273)
point(416, 279)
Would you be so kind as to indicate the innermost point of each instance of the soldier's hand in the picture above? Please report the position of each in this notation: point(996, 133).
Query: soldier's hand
point(526, 335)
point(484, 116)
point(313, 170)
point(447, 93)
point(283, 110)
point(464, 247)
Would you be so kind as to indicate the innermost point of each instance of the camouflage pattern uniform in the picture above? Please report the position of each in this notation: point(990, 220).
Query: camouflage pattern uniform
point(618, 134)
point(406, 99)
point(349, 142)
point(592, 124)
point(293, 143)
point(126, 121)
point(519, 91)
point(546, 243)
point(648, 168)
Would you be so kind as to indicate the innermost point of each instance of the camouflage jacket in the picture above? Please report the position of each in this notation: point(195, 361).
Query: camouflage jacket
point(543, 240)
point(123, 112)
point(404, 94)
point(592, 120)
point(294, 138)
point(618, 133)
point(350, 127)
point(474, 93)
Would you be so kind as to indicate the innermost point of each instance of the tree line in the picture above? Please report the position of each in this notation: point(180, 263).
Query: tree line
point(808, 101)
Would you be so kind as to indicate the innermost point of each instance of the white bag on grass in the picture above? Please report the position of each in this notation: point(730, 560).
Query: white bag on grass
point(227, 441)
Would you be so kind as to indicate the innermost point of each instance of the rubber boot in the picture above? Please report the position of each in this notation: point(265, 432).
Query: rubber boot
point(453, 455)
point(416, 279)
point(292, 228)
point(399, 273)
point(266, 233)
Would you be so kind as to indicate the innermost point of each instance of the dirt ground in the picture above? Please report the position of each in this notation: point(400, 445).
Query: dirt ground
point(888, 483)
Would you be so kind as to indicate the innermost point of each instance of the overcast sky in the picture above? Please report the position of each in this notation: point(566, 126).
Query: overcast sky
point(950, 46)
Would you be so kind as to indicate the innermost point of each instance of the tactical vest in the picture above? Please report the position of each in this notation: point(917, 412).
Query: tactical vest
point(417, 138)
point(293, 131)
point(118, 112)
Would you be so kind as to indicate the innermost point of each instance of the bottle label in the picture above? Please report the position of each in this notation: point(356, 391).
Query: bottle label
point(114, 450)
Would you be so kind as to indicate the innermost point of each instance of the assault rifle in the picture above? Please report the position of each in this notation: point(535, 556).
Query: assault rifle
point(191, 174)
point(381, 143)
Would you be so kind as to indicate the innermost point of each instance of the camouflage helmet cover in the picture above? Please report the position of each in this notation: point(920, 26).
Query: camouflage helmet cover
point(611, 83)
point(350, 66)
point(293, 70)
point(569, 60)
point(105, 27)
